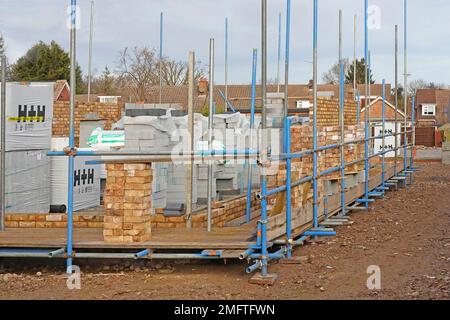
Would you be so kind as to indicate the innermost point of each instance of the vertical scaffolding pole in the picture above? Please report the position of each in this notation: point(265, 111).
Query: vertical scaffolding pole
point(73, 85)
point(190, 166)
point(161, 40)
point(315, 146)
point(405, 88)
point(3, 142)
point(355, 39)
point(358, 106)
point(287, 132)
point(263, 221)
point(413, 124)
point(279, 52)
point(396, 101)
point(226, 64)
point(383, 117)
point(367, 111)
point(210, 129)
point(91, 35)
point(252, 127)
point(341, 116)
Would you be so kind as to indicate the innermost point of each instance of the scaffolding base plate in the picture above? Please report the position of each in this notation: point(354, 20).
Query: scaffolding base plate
point(267, 280)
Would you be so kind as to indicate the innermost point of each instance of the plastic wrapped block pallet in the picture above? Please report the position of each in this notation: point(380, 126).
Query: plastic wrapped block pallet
point(29, 116)
point(86, 192)
point(159, 184)
point(27, 183)
point(176, 190)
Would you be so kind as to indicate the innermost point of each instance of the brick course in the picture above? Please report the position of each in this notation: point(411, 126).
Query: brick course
point(111, 113)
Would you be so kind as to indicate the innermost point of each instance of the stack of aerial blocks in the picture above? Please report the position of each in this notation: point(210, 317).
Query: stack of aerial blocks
point(150, 134)
point(176, 180)
point(232, 130)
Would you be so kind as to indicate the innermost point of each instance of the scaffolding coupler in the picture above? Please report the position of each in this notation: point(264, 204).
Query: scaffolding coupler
point(143, 253)
point(363, 200)
point(320, 232)
point(57, 253)
point(376, 194)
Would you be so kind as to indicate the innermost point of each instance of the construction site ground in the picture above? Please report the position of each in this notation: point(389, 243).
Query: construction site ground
point(406, 234)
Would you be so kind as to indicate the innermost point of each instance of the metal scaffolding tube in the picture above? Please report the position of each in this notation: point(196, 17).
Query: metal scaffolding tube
point(71, 159)
point(190, 166)
point(226, 64)
point(161, 41)
point(91, 35)
point(396, 100)
point(413, 124)
point(263, 222)
point(342, 117)
point(3, 146)
point(383, 116)
point(279, 52)
point(405, 90)
point(366, 105)
point(210, 130)
point(252, 127)
point(287, 129)
point(315, 144)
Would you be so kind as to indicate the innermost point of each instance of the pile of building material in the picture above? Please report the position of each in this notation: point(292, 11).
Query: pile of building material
point(29, 117)
point(150, 134)
point(233, 131)
point(86, 185)
point(27, 184)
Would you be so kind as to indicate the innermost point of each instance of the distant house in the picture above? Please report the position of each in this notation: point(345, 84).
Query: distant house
point(239, 96)
point(376, 111)
point(376, 117)
point(108, 99)
point(61, 91)
point(432, 107)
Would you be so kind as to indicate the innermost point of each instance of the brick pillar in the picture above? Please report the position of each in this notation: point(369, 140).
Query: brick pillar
point(127, 203)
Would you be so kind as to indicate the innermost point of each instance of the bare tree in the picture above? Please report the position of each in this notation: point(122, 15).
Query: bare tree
point(332, 75)
point(423, 84)
point(138, 71)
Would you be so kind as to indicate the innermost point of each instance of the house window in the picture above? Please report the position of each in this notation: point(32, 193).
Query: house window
point(428, 110)
point(303, 104)
point(108, 99)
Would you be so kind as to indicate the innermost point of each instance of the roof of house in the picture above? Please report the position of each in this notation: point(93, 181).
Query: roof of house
point(58, 88)
point(388, 104)
point(240, 95)
point(426, 96)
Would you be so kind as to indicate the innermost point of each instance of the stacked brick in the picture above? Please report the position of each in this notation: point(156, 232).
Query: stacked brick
point(52, 221)
point(222, 213)
point(127, 203)
point(111, 113)
point(328, 113)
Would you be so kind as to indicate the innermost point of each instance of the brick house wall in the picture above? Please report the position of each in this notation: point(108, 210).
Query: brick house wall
point(111, 113)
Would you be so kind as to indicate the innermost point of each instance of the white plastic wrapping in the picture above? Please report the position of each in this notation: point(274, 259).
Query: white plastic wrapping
point(27, 183)
point(86, 192)
point(29, 116)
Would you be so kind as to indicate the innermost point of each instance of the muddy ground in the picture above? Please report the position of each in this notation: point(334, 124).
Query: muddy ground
point(406, 234)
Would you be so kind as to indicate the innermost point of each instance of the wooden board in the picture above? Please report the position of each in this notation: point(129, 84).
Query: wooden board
point(224, 238)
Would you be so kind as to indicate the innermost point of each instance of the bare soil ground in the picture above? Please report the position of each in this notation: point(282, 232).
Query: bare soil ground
point(406, 234)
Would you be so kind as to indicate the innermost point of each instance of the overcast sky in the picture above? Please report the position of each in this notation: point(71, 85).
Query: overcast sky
point(190, 23)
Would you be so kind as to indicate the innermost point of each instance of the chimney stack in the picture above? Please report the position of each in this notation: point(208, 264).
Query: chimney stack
point(203, 86)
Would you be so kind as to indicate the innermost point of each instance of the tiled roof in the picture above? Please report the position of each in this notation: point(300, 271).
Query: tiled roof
point(426, 96)
point(58, 88)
